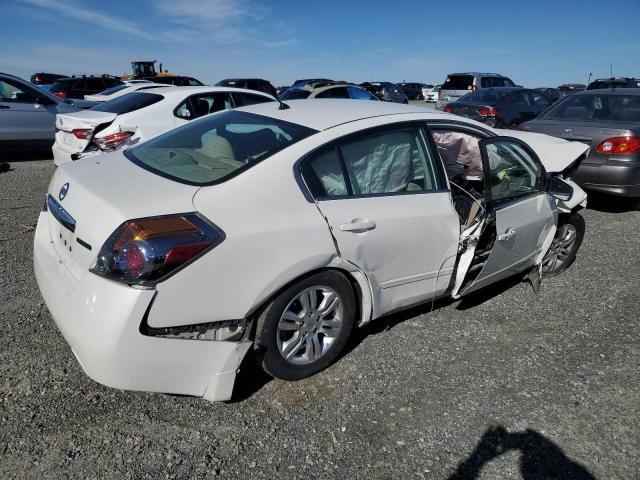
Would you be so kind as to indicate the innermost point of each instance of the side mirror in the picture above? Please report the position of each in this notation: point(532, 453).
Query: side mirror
point(559, 189)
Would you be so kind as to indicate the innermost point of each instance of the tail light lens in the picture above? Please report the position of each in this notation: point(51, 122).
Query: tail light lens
point(147, 250)
point(110, 142)
point(448, 109)
point(488, 112)
point(61, 95)
point(82, 133)
point(620, 145)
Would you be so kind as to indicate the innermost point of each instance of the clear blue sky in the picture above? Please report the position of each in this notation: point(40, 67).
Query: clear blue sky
point(545, 44)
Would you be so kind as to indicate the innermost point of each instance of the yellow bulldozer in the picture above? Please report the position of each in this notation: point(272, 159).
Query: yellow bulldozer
point(145, 69)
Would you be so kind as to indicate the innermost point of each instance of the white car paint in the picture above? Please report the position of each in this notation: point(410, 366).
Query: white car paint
point(432, 94)
point(275, 233)
point(145, 122)
point(132, 87)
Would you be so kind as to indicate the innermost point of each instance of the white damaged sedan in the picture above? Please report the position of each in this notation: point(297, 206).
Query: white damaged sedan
point(276, 230)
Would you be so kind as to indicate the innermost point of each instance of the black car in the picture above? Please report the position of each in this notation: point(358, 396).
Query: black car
point(257, 84)
point(78, 87)
point(503, 107)
point(41, 78)
point(614, 82)
point(609, 121)
point(551, 93)
point(176, 80)
point(413, 91)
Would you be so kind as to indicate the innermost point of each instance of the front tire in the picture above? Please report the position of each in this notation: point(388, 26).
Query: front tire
point(565, 245)
point(306, 327)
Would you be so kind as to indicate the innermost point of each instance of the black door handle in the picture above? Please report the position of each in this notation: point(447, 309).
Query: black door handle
point(4, 107)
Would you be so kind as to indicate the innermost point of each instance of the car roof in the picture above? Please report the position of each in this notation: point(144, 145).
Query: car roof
point(321, 114)
point(610, 91)
point(173, 91)
point(477, 74)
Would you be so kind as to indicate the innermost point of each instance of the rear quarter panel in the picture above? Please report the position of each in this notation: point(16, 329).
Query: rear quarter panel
point(273, 235)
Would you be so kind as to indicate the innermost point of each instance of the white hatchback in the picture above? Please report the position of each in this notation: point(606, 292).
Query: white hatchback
point(139, 115)
point(276, 230)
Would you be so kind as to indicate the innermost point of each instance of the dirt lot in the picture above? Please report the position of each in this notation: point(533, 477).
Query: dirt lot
point(506, 384)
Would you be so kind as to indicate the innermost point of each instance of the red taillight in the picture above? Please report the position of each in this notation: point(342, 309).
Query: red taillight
point(61, 95)
point(620, 145)
point(448, 109)
point(146, 250)
point(110, 142)
point(488, 112)
point(82, 133)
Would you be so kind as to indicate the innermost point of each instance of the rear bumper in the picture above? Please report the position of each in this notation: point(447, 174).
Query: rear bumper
point(100, 320)
point(61, 155)
point(621, 178)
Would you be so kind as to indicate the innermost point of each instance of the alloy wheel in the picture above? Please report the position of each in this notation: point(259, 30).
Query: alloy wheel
point(310, 325)
point(561, 249)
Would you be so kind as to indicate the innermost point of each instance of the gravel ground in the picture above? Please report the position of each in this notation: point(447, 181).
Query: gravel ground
point(506, 384)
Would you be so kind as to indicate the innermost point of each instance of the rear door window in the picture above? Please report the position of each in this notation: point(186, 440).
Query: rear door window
point(389, 162)
point(128, 103)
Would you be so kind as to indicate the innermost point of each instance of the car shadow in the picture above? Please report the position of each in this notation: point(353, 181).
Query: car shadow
point(611, 204)
point(252, 378)
point(541, 459)
point(25, 155)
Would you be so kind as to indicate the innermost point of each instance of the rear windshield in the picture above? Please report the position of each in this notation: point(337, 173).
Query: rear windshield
point(128, 103)
point(458, 82)
point(216, 148)
point(112, 90)
point(294, 94)
point(484, 96)
point(596, 108)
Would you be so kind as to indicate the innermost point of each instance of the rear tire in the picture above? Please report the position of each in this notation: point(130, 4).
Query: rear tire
point(306, 327)
point(565, 245)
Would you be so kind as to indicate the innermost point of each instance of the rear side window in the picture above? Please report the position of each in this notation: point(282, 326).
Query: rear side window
point(128, 103)
point(458, 82)
point(216, 148)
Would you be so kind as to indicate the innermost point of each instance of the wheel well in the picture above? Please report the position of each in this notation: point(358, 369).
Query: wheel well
point(254, 316)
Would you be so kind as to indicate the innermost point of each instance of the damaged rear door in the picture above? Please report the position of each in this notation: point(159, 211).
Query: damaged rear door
point(387, 204)
point(519, 221)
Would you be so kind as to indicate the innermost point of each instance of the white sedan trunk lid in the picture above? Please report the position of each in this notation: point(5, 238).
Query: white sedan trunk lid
point(99, 195)
point(87, 119)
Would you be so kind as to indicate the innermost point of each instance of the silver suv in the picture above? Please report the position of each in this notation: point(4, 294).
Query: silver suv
point(458, 84)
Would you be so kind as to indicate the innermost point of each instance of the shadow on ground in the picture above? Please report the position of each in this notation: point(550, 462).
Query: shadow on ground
point(251, 378)
point(610, 204)
point(541, 459)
